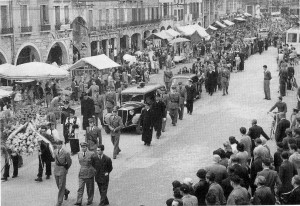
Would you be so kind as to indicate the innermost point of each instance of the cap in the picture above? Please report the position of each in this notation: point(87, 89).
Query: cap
point(179, 83)
point(83, 144)
point(91, 120)
point(66, 102)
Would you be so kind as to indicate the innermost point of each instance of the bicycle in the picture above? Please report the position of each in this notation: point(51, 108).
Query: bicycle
point(274, 123)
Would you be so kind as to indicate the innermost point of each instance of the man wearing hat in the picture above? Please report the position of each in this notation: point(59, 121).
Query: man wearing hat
point(168, 74)
point(173, 100)
point(225, 76)
point(87, 110)
point(115, 125)
point(63, 162)
point(110, 99)
point(93, 135)
point(183, 95)
point(45, 158)
point(267, 79)
point(86, 174)
point(191, 93)
point(159, 114)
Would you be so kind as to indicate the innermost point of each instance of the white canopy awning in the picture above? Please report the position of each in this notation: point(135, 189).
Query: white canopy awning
point(220, 24)
point(100, 62)
point(229, 23)
point(35, 71)
point(240, 19)
point(247, 14)
point(190, 30)
point(160, 35)
point(4, 93)
point(173, 33)
point(178, 40)
point(212, 27)
point(4, 67)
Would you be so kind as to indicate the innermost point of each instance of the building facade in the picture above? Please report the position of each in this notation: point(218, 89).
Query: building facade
point(63, 31)
point(35, 30)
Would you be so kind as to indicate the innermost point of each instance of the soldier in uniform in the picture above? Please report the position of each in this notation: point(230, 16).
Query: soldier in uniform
point(63, 162)
point(99, 106)
point(115, 125)
point(93, 136)
point(173, 101)
point(87, 110)
point(86, 174)
point(164, 99)
point(225, 76)
point(183, 94)
point(110, 99)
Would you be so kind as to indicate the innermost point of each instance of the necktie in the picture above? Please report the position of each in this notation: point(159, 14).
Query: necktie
point(84, 154)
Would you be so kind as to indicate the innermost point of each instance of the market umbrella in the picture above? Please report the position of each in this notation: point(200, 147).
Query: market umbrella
point(6, 67)
point(36, 71)
point(178, 40)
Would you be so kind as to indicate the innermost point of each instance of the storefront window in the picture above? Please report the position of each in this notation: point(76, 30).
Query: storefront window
point(292, 37)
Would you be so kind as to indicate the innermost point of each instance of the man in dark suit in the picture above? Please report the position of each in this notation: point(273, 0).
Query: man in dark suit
point(86, 174)
point(255, 131)
point(282, 125)
point(286, 173)
point(182, 99)
point(263, 194)
point(270, 175)
point(146, 121)
point(103, 166)
point(240, 171)
point(45, 158)
point(256, 167)
point(63, 162)
point(158, 109)
point(87, 110)
point(201, 187)
point(93, 136)
point(218, 169)
point(190, 95)
point(294, 197)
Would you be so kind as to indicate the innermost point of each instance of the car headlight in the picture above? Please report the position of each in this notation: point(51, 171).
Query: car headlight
point(131, 112)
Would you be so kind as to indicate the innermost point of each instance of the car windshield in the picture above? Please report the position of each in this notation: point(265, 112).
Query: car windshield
point(180, 79)
point(132, 97)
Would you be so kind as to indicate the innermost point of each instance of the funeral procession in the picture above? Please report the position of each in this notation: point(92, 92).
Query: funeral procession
point(149, 102)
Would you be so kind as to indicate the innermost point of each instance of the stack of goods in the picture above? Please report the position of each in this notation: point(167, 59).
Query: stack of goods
point(26, 114)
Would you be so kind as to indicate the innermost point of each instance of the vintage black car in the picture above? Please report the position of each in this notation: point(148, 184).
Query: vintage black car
point(132, 103)
point(183, 78)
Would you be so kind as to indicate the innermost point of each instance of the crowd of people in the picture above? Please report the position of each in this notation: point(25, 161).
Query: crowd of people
point(241, 165)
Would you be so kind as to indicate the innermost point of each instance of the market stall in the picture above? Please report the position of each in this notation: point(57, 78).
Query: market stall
point(4, 67)
point(181, 49)
point(229, 23)
point(160, 39)
point(88, 66)
point(219, 24)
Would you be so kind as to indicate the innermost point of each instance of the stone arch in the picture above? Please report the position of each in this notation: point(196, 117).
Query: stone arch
point(136, 41)
point(162, 28)
point(3, 57)
point(169, 27)
point(154, 31)
point(124, 42)
point(33, 51)
point(64, 50)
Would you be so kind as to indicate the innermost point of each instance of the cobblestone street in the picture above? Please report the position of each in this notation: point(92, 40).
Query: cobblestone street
point(143, 175)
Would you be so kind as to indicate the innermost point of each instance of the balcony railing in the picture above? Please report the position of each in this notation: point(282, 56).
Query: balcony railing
point(25, 29)
point(7, 30)
point(46, 27)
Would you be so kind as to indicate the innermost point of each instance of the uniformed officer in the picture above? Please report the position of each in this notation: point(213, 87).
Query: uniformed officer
point(174, 98)
point(183, 95)
point(93, 136)
point(110, 99)
point(225, 76)
point(86, 174)
point(164, 98)
point(115, 125)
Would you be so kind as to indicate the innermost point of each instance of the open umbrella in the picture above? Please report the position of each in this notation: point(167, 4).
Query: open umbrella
point(36, 71)
point(6, 67)
point(178, 40)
